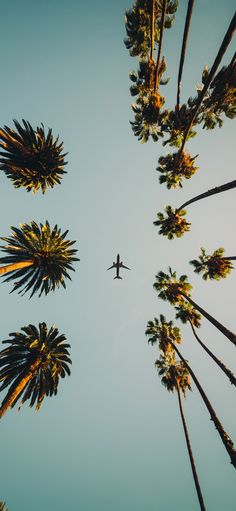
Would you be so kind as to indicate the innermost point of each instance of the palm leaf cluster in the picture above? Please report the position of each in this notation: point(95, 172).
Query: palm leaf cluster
point(213, 266)
point(139, 27)
point(173, 224)
point(32, 159)
point(221, 97)
point(32, 364)
point(173, 373)
point(145, 23)
point(174, 167)
point(3, 506)
point(149, 116)
point(50, 254)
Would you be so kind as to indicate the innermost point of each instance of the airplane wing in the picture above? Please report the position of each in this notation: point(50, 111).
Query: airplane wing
point(123, 266)
point(113, 266)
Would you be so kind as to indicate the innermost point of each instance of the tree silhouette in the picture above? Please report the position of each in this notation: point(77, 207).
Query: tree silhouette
point(38, 258)
point(32, 365)
point(31, 158)
point(214, 266)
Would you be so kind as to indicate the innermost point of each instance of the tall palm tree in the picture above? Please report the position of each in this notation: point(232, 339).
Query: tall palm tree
point(175, 290)
point(224, 45)
point(32, 365)
point(187, 314)
point(221, 96)
point(229, 446)
point(174, 224)
point(38, 258)
point(32, 159)
point(214, 266)
point(175, 376)
point(183, 49)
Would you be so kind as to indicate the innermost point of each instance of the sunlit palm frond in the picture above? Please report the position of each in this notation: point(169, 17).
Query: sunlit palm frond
point(32, 159)
point(51, 255)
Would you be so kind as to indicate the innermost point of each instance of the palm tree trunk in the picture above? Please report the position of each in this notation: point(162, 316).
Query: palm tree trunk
point(152, 29)
point(12, 396)
point(229, 446)
point(225, 369)
point(15, 266)
point(220, 54)
point(163, 15)
point(230, 335)
point(192, 462)
point(212, 191)
point(183, 50)
point(230, 258)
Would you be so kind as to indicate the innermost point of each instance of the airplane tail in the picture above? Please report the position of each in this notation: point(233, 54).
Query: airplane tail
point(117, 277)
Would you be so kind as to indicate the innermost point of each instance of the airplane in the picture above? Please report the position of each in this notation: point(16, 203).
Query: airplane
point(119, 264)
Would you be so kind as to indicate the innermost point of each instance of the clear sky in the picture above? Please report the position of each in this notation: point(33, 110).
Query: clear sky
point(112, 439)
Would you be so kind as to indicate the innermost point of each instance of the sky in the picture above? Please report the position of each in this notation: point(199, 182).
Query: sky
point(112, 438)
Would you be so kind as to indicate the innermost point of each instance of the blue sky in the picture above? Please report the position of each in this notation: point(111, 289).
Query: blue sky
point(112, 439)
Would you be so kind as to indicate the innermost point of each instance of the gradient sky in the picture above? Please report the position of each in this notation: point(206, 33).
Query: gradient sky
point(112, 439)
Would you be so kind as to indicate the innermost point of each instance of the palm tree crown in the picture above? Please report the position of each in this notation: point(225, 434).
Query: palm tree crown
point(186, 312)
point(173, 224)
point(138, 24)
point(31, 158)
point(32, 365)
point(170, 288)
point(174, 167)
point(38, 258)
point(213, 266)
point(162, 331)
point(174, 373)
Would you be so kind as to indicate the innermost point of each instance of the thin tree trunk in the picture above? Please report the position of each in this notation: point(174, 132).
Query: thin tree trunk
point(163, 15)
point(192, 462)
point(15, 266)
point(220, 54)
point(230, 335)
point(225, 369)
point(152, 29)
point(229, 446)
point(183, 50)
point(22, 384)
point(212, 191)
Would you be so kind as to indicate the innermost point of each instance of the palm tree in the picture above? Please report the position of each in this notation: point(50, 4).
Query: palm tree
point(163, 331)
point(174, 224)
point(187, 314)
point(214, 266)
point(32, 365)
point(143, 24)
point(38, 258)
point(31, 158)
point(224, 436)
point(183, 50)
point(175, 376)
point(174, 168)
point(221, 96)
point(178, 290)
point(225, 43)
